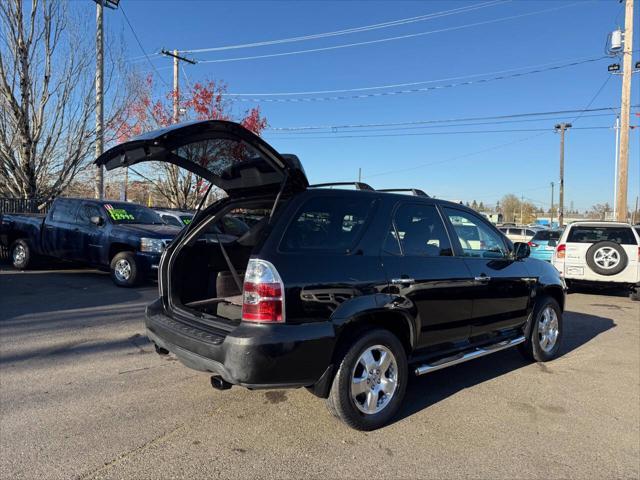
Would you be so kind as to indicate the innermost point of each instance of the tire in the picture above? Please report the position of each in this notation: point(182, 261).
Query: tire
point(607, 258)
point(20, 254)
point(635, 294)
point(351, 410)
point(124, 269)
point(535, 346)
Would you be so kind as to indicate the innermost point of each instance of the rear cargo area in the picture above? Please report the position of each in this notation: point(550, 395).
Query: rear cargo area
point(209, 272)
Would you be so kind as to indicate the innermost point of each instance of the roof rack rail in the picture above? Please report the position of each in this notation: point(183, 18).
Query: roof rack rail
point(358, 185)
point(414, 191)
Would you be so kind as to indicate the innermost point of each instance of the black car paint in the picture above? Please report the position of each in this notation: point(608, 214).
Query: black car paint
point(328, 296)
point(80, 240)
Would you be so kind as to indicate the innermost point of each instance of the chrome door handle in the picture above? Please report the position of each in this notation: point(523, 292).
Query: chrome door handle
point(482, 278)
point(403, 281)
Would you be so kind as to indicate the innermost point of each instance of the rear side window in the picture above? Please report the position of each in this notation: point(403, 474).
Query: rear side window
point(64, 211)
point(586, 234)
point(327, 224)
point(418, 231)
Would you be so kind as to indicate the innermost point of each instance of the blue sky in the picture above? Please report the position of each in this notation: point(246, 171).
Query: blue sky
point(457, 165)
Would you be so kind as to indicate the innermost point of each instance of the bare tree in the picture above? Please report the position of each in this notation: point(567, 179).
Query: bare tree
point(47, 100)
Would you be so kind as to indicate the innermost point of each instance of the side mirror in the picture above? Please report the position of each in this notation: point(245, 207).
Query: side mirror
point(552, 243)
point(521, 250)
point(97, 221)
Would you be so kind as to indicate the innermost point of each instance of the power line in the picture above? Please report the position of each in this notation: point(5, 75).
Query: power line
point(411, 84)
point(593, 99)
point(416, 90)
point(449, 120)
point(418, 127)
point(458, 157)
point(461, 132)
point(388, 39)
point(347, 31)
point(135, 35)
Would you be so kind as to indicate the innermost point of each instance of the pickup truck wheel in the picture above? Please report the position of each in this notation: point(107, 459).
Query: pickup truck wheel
point(124, 270)
point(371, 381)
point(20, 254)
point(545, 338)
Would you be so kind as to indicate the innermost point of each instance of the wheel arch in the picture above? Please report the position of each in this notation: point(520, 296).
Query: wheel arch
point(117, 247)
point(557, 293)
point(397, 322)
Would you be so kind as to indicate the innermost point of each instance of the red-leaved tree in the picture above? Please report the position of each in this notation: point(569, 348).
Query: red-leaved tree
point(203, 101)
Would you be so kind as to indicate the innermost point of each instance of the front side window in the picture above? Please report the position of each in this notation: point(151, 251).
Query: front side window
point(327, 224)
point(418, 230)
point(171, 220)
point(476, 238)
point(587, 234)
point(88, 211)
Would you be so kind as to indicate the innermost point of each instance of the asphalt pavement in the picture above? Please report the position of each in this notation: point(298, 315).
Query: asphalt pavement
point(83, 395)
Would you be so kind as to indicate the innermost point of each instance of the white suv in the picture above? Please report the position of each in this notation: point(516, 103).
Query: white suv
point(600, 252)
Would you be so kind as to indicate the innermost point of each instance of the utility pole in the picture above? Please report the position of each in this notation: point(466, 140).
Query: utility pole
point(561, 127)
point(359, 175)
point(99, 97)
point(100, 4)
point(176, 80)
point(551, 209)
point(625, 113)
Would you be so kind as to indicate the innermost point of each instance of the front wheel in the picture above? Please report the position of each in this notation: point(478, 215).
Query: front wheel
point(546, 332)
point(124, 269)
point(20, 254)
point(371, 381)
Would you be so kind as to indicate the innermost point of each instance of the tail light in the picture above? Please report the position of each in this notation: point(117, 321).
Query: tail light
point(263, 293)
point(532, 244)
point(561, 250)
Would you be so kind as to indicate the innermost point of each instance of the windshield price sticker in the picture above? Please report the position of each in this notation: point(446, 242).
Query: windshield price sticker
point(118, 213)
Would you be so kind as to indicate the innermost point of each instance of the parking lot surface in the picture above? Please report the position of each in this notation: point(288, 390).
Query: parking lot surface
point(83, 395)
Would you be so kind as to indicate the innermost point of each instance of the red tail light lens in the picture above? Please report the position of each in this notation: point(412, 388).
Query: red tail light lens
point(561, 250)
point(263, 293)
point(532, 244)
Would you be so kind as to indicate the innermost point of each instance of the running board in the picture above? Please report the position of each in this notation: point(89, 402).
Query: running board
point(464, 357)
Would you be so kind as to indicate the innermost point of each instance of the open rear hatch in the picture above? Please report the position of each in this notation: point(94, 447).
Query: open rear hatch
point(206, 267)
point(223, 153)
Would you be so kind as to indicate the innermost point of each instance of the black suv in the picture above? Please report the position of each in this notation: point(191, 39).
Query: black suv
point(344, 292)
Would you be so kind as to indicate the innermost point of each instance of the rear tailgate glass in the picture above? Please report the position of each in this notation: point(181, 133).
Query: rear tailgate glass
point(586, 234)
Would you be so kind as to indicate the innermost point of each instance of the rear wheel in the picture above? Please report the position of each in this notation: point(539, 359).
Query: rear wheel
point(635, 294)
point(546, 333)
point(124, 269)
point(371, 381)
point(20, 254)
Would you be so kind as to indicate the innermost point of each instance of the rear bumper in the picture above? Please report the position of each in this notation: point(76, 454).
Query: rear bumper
point(253, 356)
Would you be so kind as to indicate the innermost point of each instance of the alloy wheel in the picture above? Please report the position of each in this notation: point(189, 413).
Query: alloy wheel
point(374, 379)
point(122, 270)
point(548, 329)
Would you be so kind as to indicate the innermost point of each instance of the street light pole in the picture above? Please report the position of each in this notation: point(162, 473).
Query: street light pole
point(551, 209)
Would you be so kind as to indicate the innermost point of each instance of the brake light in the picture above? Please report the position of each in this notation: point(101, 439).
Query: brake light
point(263, 293)
point(561, 250)
point(532, 244)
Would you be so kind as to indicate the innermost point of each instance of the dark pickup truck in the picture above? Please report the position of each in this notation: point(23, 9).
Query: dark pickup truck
point(126, 238)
